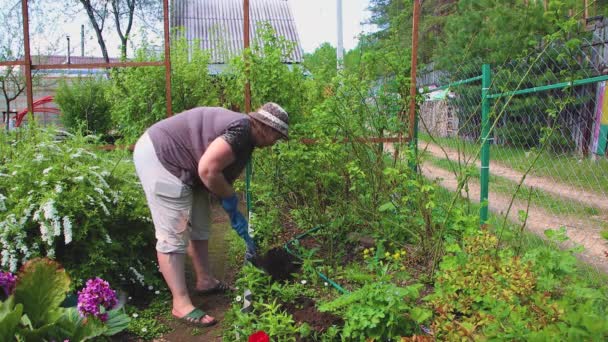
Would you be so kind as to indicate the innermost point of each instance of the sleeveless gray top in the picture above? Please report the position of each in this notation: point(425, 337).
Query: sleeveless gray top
point(181, 140)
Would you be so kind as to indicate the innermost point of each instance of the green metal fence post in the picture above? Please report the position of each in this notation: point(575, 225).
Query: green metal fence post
point(248, 187)
point(486, 79)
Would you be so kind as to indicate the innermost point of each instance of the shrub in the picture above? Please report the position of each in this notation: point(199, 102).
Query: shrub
point(138, 94)
point(84, 105)
point(486, 292)
point(65, 200)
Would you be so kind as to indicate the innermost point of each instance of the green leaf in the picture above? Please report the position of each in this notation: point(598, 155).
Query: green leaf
point(389, 206)
point(117, 321)
point(420, 315)
point(41, 289)
point(78, 329)
point(10, 316)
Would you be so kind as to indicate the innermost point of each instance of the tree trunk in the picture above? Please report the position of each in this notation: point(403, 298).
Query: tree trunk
point(124, 37)
point(98, 27)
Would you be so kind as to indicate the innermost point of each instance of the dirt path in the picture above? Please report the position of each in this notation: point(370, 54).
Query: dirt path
point(579, 231)
point(571, 193)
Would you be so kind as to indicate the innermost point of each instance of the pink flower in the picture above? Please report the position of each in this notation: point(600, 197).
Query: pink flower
point(96, 294)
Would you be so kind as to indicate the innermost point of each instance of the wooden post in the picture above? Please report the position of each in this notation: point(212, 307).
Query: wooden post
point(167, 58)
point(246, 46)
point(27, 58)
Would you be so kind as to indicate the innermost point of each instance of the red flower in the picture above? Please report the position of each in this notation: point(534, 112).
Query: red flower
point(259, 336)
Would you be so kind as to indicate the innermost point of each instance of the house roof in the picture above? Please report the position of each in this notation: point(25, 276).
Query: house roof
point(62, 59)
point(218, 24)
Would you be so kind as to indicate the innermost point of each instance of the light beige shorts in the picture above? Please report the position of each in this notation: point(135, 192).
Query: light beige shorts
point(179, 212)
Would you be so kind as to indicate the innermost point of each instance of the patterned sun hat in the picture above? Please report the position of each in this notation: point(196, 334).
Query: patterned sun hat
point(272, 115)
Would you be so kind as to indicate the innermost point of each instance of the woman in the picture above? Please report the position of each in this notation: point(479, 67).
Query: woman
point(180, 161)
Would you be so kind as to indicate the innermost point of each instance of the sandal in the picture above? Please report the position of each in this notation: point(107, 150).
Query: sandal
point(194, 318)
point(220, 287)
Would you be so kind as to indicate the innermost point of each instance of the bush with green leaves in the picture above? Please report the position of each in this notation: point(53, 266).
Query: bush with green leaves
point(484, 290)
point(68, 200)
point(34, 312)
point(271, 79)
point(138, 93)
point(84, 105)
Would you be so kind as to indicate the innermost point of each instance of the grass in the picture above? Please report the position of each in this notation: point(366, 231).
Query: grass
point(507, 187)
point(568, 169)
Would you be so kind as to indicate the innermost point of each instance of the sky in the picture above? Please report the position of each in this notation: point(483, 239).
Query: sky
point(315, 20)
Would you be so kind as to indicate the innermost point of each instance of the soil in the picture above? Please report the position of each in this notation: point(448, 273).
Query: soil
point(278, 263)
point(303, 310)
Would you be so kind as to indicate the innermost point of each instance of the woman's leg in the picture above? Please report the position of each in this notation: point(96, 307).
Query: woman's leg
point(170, 202)
point(173, 270)
point(198, 249)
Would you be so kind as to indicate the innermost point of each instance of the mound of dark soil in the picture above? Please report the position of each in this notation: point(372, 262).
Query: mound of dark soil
point(303, 310)
point(279, 264)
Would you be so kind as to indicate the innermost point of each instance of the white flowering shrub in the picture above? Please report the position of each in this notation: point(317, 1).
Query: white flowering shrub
point(68, 200)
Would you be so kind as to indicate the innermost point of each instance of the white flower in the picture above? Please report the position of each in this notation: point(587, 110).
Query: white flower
point(58, 188)
point(67, 229)
point(326, 283)
point(50, 213)
point(150, 287)
point(303, 281)
point(130, 297)
point(47, 170)
point(2, 204)
point(108, 239)
point(144, 329)
point(156, 292)
point(135, 315)
point(139, 276)
point(14, 173)
point(238, 298)
point(78, 179)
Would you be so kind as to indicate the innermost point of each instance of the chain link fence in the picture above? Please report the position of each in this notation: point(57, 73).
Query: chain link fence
point(546, 115)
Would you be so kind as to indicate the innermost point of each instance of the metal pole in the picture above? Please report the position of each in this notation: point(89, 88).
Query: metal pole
point(248, 170)
point(68, 55)
point(413, 91)
point(27, 58)
point(340, 43)
point(485, 140)
point(167, 58)
point(81, 40)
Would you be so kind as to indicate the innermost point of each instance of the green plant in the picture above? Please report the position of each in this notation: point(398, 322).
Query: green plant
point(380, 311)
point(34, 312)
point(84, 105)
point(486, 291)
point(604, 234)
point(138, 94)
point(267, 317)
point(147, 323)
point(69, 201)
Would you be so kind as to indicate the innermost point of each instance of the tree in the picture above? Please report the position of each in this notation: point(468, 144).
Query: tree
point(123, 14)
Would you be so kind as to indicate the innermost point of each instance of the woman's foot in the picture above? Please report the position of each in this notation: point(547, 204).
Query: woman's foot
point(211, 285)
point(194, 316)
